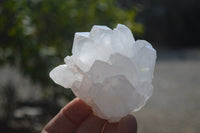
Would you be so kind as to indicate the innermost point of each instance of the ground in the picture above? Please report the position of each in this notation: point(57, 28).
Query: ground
point(175, 104)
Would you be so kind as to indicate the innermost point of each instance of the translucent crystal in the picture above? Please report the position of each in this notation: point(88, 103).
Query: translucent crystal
point(109, 70)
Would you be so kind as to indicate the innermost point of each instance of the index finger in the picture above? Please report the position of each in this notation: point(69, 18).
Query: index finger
point(69, 117)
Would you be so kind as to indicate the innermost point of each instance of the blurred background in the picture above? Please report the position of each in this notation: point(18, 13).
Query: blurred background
point(36, 35)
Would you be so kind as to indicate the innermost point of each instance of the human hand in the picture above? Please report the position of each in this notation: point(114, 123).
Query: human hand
point(77, 117)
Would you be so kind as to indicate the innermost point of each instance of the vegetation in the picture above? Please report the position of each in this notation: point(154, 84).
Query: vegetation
point(37, 34)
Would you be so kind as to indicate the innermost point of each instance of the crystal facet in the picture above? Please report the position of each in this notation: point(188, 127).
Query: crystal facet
point(109, 70)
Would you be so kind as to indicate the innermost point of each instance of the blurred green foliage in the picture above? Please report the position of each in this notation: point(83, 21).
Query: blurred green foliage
point(35, 35)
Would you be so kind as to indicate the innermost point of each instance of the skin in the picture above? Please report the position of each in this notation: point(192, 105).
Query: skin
point(77, 117)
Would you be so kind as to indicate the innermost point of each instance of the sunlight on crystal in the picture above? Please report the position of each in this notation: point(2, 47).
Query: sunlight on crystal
point(109, 70)
point(144, 69)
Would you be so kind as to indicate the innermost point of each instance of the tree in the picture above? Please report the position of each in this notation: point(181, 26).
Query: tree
point(37, 35)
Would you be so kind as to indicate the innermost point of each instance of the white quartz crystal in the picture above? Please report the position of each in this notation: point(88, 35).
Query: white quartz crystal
point(109, 70)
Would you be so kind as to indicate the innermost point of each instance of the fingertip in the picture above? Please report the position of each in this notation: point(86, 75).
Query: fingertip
point(128, 125)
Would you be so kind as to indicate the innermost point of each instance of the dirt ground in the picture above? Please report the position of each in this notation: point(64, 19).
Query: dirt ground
point(175, 104)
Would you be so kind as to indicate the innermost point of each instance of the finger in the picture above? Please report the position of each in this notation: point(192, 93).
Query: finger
point(69, 117)
point(59, 124)
point(111, 128)
point(128, 125)
point(92, 124)
point(77, 111)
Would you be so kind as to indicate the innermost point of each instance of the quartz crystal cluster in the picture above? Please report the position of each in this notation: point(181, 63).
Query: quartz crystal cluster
point(109, 70)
